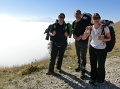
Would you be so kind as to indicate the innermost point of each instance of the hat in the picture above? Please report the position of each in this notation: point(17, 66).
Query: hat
point(61, 15)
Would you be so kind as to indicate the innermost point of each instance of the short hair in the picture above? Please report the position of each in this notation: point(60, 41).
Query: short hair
point(62, 14)
point(78, 11)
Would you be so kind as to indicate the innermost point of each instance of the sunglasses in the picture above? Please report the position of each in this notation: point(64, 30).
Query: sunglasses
point(96, 18)
point(61, 17)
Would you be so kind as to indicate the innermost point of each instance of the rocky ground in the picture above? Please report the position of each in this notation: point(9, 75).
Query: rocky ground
point(69, 79)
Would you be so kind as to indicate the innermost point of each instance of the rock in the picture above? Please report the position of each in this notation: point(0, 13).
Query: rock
point(117, 79)
point(70, 67)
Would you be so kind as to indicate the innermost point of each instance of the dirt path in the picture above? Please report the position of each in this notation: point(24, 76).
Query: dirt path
point(69, 79)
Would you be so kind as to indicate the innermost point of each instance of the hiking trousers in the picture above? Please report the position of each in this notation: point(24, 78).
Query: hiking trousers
point(97, 62)
point(81, 51)
point(57, 51)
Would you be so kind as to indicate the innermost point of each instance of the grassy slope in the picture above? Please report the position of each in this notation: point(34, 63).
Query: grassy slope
point(7, 74)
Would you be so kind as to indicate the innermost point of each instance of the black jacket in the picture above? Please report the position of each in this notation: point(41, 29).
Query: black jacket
point(60, 32)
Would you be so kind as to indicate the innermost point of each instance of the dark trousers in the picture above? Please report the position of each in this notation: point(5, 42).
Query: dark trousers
point(97, 62)
point(81, 51)
point(56, 51)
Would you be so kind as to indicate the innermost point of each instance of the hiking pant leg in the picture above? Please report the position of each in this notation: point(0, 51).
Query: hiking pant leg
point(54, 53)
point(78, 49)
point(60, 56)
point(93, 63)
point(83, 53)
point(101, 55)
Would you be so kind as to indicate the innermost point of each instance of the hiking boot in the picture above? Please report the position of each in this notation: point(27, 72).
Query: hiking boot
point(77, 69)
point(83, 71)
point(96, 84)
point(92, 82)
point(60, 71)
point(82, 76)
point(49, 73)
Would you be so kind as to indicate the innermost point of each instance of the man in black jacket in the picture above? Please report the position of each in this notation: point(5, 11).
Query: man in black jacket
point(59, 33)
point(79, 26)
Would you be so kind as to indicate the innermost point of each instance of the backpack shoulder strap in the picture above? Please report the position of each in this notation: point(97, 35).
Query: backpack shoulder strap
point(54, 26)
point(103, 29)
point(91, 29)
point(74, 24)
point(65, 26)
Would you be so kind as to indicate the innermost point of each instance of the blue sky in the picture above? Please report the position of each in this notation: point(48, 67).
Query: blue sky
point(33, 9)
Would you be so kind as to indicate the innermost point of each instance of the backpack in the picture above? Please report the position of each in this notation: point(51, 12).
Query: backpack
point(47, 32)
point(70, 29)
point(87, 17)
point(110, 24)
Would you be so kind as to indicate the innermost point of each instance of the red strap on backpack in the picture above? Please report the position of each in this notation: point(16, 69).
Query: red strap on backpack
point(103, 26)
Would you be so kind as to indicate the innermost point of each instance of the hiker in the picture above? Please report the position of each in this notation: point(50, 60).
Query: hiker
point(97, 49)
point(79, 26)
point(59, 32)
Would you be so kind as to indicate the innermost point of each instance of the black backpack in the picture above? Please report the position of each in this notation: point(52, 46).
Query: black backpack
point(47, 32)
point(110, 44)
point(87, 17)
point(52, 26)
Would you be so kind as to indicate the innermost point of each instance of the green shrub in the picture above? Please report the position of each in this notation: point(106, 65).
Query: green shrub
point(29, 70)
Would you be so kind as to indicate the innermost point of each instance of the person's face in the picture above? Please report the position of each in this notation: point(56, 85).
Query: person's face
point(61, 18)
point(96, 20)
point(78, 15)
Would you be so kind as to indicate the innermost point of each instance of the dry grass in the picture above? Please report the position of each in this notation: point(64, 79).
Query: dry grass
point(8, 74)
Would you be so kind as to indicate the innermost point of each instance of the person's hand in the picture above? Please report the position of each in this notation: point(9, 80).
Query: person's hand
point(74, 36)
point(88, 29)
point(66, 34)
point(101, 37)
point(78, 38)
point(53, 34)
